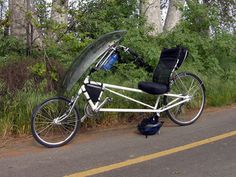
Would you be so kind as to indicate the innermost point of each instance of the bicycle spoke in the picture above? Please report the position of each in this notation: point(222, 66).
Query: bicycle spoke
point(50, 116)
point(65, 129)
point(61, 131)
point(43, 123)
point(48, 130)
point(43, 129)
point(62, 110)
point(191, 85)
point(189, 111)
point(183, 84)
point(195, 91)
point(68, 123)
point(44, 117)
point(193, 88)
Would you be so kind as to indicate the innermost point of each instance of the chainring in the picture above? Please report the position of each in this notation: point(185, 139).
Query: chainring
point(89, 111)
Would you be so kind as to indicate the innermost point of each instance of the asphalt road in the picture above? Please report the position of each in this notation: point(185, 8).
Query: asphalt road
point(177, 151)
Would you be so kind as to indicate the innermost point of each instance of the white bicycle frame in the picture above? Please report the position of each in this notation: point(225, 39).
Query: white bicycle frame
point(98, 106)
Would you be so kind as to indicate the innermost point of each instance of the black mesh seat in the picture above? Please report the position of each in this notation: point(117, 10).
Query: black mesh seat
point(170, 60)
point(153, 88)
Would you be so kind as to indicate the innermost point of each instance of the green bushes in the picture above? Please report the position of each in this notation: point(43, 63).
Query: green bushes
point(10, 45)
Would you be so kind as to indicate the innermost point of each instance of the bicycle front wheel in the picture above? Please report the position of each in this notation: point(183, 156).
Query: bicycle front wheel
point(49, 125)
point(186, 84)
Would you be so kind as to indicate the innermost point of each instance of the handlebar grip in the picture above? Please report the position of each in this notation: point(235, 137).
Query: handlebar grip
point(140, 61)
point(132, 52)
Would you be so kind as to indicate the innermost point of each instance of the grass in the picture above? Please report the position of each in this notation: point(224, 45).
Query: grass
point(221, 93)
point(16, 109)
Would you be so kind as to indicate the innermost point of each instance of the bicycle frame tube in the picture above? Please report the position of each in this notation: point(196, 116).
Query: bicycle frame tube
point(67, 113)
point(97, 107)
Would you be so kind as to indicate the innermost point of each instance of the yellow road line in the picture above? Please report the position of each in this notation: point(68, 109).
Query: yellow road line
point(151, 156)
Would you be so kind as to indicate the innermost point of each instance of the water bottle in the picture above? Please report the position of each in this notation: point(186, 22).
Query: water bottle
point(110, 62)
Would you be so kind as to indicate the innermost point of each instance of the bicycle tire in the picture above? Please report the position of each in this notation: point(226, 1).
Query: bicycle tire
point(190, 107)
point(43, 116)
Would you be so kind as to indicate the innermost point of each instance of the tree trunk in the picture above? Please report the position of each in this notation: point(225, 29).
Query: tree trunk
point(173, 15)
point(59, 11)
point(36, 35)
point(1, 11)
point(151, 10)
point(18, 20)
point(21, 26)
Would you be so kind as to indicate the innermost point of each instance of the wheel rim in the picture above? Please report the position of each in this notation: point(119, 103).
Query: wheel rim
point(189, 111)
point(48, 129)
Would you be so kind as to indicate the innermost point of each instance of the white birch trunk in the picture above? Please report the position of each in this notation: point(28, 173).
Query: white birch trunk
point(173, 15)
point(151, 10)
point(18, 20)
point(36, 34)
point(20, 26)
point(59, 11)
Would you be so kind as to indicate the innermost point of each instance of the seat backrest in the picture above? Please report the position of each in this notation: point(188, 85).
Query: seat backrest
point(170, 60)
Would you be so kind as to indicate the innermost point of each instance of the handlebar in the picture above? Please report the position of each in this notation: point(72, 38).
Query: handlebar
point(132, 52)
point(129, 50)
point(138, 59)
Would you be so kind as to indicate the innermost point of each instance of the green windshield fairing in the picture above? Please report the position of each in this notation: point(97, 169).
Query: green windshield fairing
point(88, 56)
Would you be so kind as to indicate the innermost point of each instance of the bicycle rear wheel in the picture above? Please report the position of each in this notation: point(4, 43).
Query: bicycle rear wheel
point(188, 112)
point(46, 127)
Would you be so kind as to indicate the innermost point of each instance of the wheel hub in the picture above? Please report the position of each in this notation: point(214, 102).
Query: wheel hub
point(56, 121)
